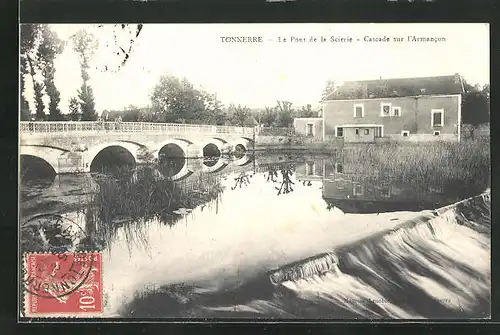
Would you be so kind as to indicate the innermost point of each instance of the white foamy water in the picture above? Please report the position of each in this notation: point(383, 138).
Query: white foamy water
point(438, 268)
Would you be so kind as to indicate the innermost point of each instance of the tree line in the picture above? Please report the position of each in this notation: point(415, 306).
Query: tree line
point(39, 49)
point(176, 100)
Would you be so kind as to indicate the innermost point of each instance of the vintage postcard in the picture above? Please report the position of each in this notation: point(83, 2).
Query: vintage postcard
point(254, 171)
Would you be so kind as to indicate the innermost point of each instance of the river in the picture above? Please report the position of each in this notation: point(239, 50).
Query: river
point(275, 236)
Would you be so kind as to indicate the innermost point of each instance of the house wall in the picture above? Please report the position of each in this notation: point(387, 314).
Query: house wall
point(310, 170)
point(350, 134)
point(416, 114)
point(300, 125)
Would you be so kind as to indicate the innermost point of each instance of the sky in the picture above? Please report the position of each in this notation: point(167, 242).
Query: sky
point(259, 74)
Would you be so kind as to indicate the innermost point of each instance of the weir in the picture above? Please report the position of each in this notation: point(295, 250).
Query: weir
point(474, 212)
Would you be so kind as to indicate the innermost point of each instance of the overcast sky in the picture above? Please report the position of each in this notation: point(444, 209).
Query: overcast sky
point(257, 75)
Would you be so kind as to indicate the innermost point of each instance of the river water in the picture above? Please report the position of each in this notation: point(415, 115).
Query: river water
point(275, 236)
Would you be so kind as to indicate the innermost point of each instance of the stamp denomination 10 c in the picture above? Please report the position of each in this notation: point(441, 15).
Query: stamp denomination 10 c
point(63, 285)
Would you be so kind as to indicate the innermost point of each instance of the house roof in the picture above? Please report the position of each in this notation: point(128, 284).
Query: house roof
point(398, 87)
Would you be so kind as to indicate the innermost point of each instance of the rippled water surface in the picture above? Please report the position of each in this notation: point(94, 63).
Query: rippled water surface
point(275, 236)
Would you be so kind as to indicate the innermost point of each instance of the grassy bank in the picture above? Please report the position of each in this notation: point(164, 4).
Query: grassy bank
point(437, 161)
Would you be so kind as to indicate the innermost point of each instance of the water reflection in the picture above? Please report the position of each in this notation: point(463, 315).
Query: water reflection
point(172, 167)
point(284, 173)
point(36, 174)
point(131, 205)
point(167, 191)
point(137, 216)
point(376, 191)
point(210, 161)
point(242, 180)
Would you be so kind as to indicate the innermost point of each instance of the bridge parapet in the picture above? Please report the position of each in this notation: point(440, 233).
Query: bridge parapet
point(47, 128)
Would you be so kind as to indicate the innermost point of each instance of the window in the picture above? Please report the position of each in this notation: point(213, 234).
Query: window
point(437, 118)
point(367, 131)
point(358, 189)
point(385, 109)
point(357, 131)
point(385, 192)
point(396, 111)
point(437, 133)
point(340, 132)
point(359, 110)
point(405, 133)
point(339, 168)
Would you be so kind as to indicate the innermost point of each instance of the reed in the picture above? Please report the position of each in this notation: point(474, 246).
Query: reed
point(131, 203)
point(437, 162)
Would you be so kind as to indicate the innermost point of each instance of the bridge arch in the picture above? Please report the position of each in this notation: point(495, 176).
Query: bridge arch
point(219, 165)
point(213, 147)
point(246, 159)
point(173, 153)
point(182, 174)
point(122, 148)
point(48, 154)
point(173, 148)
point(242, 144)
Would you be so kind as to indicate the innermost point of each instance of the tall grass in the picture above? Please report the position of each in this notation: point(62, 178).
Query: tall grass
point(442, 163)
point(130, 204)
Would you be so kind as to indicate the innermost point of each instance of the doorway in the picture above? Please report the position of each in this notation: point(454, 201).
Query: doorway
point(309, 129)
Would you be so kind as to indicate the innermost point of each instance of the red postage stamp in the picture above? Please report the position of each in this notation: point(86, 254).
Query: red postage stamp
point(62, 285)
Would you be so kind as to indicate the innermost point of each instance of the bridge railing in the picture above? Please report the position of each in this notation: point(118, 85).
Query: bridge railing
point(27, 127)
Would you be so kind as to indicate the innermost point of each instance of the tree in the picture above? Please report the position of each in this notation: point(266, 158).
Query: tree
point(285, 114)
point(87, 104)
point(240, 115)
point(330, 88)
point(74, 109)
point(177, 101)
point(268, 117)
point(30, 38)
point(307, 112)
point(25, 107)
point(148, 114)
point(486, 91)
point(475, 105)
point(50, 46)
point(85, 45)
point(130, 113)
point(214, 110)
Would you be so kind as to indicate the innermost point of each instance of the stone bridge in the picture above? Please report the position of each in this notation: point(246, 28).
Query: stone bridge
point(71, 147)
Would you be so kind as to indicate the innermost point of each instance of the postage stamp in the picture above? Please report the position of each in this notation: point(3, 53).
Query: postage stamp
point(65, 284)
